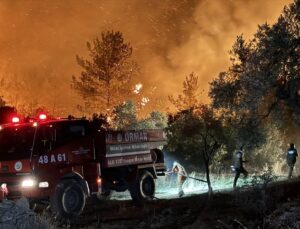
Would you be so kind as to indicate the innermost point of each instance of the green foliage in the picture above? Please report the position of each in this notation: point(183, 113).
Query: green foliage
point(261, 86)
point(222, 161)
point(269, 154)
point(155, 120)
point(262, 179)
point(124, 116)
point(195, 135)
point(107, 77)
point(261, 68)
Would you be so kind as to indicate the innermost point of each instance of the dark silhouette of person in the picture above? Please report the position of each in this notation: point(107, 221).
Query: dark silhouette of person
point(238, 165)
point(291, 158)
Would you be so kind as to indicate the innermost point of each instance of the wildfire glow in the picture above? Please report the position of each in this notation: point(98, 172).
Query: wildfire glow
point(144, 101)
point(167, 33)
point(137, 88)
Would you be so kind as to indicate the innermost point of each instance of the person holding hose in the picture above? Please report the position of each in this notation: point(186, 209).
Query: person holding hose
point(181, 176)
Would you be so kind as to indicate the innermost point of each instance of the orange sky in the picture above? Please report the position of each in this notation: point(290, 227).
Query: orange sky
point(171, 38)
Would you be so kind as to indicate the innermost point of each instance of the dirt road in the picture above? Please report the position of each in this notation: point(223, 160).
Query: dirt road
point(244, 207)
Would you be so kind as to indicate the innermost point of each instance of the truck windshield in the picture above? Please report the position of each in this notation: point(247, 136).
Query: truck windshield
point(16, 142)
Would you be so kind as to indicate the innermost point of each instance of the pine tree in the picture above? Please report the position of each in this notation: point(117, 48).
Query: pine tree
point(106, 77)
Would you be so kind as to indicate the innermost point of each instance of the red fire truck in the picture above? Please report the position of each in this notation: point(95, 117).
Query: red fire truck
point(68, 160)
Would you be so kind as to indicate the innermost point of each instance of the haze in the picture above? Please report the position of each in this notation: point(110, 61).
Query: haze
point(171, 38)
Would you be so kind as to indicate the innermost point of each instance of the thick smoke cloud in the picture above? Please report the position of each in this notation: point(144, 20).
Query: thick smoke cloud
point(171, 38)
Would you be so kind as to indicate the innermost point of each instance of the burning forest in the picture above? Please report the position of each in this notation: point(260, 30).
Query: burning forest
point(149, 114)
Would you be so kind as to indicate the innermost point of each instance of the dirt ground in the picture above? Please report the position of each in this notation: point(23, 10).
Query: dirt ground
point(275, 205)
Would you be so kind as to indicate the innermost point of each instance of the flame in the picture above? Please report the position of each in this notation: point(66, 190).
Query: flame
point(137, 88)
point(144, 101)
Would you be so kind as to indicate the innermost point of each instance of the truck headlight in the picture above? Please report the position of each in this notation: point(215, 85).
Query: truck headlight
point(28, 183)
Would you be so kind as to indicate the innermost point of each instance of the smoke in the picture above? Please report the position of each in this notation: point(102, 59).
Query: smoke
point(171, 38)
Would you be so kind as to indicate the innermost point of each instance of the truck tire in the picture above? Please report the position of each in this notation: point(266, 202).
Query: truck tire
point(143, 188)
point(69, 200)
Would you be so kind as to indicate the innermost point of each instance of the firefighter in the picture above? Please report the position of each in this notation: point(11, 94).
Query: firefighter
point(238, 165)
point(179, 170)
point(291, 158)
point(169, 177)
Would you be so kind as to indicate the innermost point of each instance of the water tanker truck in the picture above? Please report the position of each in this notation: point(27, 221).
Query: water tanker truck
point(67, 160)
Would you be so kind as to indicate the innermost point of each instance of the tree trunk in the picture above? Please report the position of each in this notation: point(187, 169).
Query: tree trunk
point(108, 98)
point(210, 191)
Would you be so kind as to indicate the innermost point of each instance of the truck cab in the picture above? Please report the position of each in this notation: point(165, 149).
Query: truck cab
point(67, 160)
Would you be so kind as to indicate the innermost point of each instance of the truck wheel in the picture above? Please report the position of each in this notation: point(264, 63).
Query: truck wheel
point(143, 188)
point(69, 200)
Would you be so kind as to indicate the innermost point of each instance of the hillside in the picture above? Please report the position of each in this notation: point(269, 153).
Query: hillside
point(276, 205)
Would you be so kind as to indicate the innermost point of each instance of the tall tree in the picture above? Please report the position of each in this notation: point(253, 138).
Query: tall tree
point(263, 81)
point(195, 136)
point(194, 133)
point(106, 78)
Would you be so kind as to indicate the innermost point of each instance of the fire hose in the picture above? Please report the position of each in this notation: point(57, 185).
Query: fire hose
point(194, 178)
